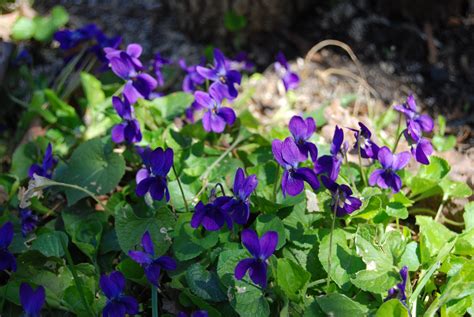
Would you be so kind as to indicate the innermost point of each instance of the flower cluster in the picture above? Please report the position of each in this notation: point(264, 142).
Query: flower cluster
point(224, 209)
point(91, 35)
point(417, 123)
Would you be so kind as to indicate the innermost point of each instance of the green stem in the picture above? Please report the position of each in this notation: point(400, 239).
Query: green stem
point(399, 133)
point(181, 189)
point(362, 174)
point(439, 213)
point(331, 238)
point(4, 296)
point(154, 301)
point(76, 278)
point(317, 282)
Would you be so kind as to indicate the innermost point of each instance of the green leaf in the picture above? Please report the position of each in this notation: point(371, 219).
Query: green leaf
point(130, 228)
point(188, 242)
point(23, 29)
point(343, 262)
point(397, 210)
point(392, 308)
point(22, 159)
point(444, 143)
point(292, 279)
point(93, 89)
point(85, 228)
point(49, 243)
point(271, 222)
point(340, 305)
point(59, 16)
point(204, 284)
point(465, 243)
point(378, 282)
point(246, 299)
point(132, 271)
point(454, 189)
point(373, 256)
point(469, 215)
point(93, 166)
point(410, 257)
point(173, 105)
point(436, 170)
point(234, 22)
point(433, 236)
point(65, 113)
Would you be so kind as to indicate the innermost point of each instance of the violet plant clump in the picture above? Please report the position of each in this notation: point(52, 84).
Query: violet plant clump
point(136, 220)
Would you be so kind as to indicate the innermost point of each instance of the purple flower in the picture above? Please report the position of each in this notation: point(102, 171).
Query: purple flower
point(217, 116)
point(7, 260)
point(386, 177)
point(331, 164)
point(241, 62)
point(152, 178)
point(69, 39)
point(368, 149)
point(46, 168)
point(261, 249)
point(288, 155)
point(117, 304)
point(151, 264)
point(302, 130)
point(416, 122)
point(29, 221)
point(129, 129)
point(192, 78)
point(398, 291)
point(104, 41)
point(32, 300)
point(212, 215)
point(238, 207)
point(157, 65)
point(198, 313)
point(194, 107)
point(342, 195)
point(221, 74)
point(127, 65)
point(421, 148)
point(289, 78)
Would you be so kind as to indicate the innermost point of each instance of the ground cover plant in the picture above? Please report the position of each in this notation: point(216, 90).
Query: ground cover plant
point(136, 202)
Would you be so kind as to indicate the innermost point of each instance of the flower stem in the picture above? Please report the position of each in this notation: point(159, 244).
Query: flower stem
point(181, 189)
point(76, 278)
point(439, 213)
point(331, 238)
point(362, 174)
point(154, 301)
point(399, 133)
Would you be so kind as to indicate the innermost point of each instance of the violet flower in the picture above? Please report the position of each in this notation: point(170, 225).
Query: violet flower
point(192, 79)
point(7, 260)
point(288, 155)
point(217, 116)
point(32, 300)
point(260, 249)
point(331, 164)
point(289, 78)
point(368, 148)
point(157, 65)
point(129, 129)
point(416, 122)
point(238, 207)
point(191, 110)
point(342, 195)
point(399, 290)
point(420, 148)
point(386, 177)
point(69, 39)
point(302, 130)
point(241, 62)
point(46, 168)
point(151, 264)
point(222, 75)
point(198, 313)
point(118, 304)
point(212, 216)
point(152, 178)
point(127, 65)
point(29, 221)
